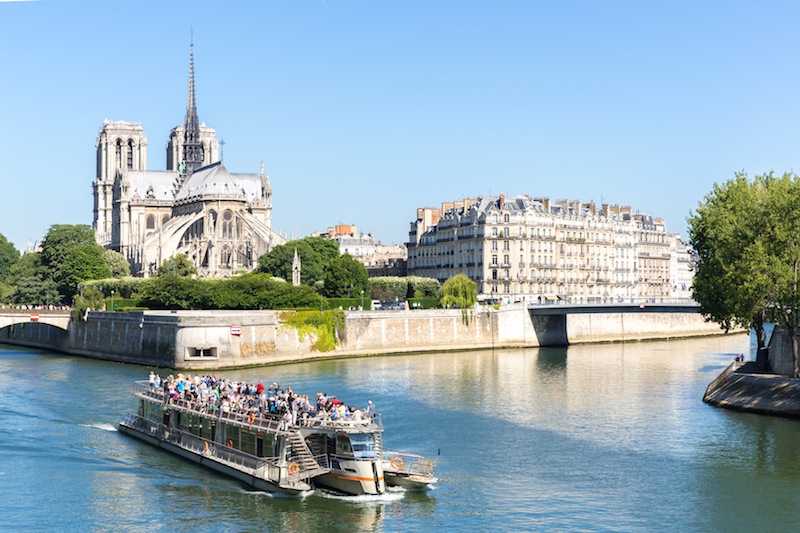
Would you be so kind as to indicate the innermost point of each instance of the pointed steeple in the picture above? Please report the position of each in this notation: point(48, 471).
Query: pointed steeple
point(192, 149)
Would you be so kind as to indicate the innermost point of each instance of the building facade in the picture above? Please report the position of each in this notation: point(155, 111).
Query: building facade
point(532, 249)
point(221, 221)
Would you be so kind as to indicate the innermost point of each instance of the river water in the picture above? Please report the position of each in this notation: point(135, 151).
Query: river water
point(610, 437)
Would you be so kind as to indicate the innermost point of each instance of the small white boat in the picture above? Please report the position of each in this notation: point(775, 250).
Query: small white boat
point(407, 470)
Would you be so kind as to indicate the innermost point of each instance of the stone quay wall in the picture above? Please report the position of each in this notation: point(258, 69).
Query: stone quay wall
point(234, 339)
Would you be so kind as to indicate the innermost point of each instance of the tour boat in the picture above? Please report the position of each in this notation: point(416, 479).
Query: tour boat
point(267, 453)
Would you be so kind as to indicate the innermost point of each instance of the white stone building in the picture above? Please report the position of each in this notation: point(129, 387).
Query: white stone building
point(221, 220)
point(530, 249)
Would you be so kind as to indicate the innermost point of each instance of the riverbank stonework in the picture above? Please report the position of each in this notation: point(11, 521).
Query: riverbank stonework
point(745, 387)
point(233, 339)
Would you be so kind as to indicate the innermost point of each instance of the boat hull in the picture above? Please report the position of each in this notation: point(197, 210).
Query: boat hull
point(208, 461)
point(354, 477)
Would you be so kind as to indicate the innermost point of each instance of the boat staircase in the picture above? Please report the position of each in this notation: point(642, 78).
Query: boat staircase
point(310, 465)
point(378, 443)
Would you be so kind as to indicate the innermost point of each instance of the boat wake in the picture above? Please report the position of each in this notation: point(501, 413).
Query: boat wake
point(386, 497)
point(104, 427)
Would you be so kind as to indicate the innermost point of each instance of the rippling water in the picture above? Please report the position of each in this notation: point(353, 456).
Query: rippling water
point(594, 438)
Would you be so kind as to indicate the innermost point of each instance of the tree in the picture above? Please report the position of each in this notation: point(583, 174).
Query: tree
point(746, 237)
point(346, 277)
point(117, 264)
point(178, 265)
point(35, 291)
point(460, 291)
point(70, 255)
point(28, 266)
point(169, 291)
point(315, 254)
point(9, 255)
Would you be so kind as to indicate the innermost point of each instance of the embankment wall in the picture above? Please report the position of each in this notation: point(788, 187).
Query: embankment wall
point(229, 339)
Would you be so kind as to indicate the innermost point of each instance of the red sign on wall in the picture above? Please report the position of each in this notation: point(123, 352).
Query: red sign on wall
point(236, 330)
point(34, 317)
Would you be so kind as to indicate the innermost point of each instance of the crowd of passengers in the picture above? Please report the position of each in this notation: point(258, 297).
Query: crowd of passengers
point(210, 393)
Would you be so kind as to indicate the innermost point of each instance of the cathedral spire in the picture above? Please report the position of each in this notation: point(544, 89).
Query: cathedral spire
point(192, 149)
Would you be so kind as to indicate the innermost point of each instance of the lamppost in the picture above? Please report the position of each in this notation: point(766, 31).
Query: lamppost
point(112, 300)
point(362, 299)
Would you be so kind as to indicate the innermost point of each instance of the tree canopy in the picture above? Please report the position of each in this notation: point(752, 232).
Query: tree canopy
point(346, 277)
point(9, 255)
point(117, 264)
point(746, 237)
point(315, 255)
point(178, 265)
point(71, 255)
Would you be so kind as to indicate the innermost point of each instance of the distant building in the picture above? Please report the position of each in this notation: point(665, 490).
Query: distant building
point(681, 272)
point(221, 220)
point(532, 249)
point(380, 259)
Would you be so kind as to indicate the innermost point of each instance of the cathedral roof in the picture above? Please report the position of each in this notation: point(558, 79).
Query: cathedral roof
point(215, 180)
point(152, 184)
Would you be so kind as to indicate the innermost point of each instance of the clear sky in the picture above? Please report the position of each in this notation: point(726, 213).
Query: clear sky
point(364, 111)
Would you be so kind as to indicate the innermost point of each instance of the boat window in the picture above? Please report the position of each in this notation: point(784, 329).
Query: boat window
point(363, 445)
point(343, 445)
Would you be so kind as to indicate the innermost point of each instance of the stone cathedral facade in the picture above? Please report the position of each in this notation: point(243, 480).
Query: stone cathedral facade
point(222, 221)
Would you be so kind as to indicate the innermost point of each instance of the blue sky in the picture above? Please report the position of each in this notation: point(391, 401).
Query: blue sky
point(364, 111)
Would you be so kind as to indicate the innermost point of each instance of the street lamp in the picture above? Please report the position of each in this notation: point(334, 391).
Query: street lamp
point(362, 299)
point(112, 300)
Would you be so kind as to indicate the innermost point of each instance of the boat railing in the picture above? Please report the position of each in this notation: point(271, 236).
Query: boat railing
point(325, 423)
point(271, 423)
point(407, 463)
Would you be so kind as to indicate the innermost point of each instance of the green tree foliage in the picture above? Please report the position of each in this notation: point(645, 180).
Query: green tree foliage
point(746, 237)
point(28, 266)
point(461, 292)
point(127, 287)
point(70, 255)
point(91, 298)
point(389, 287)
point(9, 255)
point(178, 265)
point(259, 291)
point(249, 291)
point(346, 277)
point(315, 254)
point(419, 287)
point(170, 291)
point(117, 264)
point(6, 291)
point(36, 291)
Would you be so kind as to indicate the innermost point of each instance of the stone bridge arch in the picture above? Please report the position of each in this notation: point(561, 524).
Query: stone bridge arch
point(14, 317)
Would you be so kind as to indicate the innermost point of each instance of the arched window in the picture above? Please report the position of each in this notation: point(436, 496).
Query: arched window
point(225, 256)
point(227, 224)
point(151, 222)
point(130, 155)
point(119, 154)
point(164, 219)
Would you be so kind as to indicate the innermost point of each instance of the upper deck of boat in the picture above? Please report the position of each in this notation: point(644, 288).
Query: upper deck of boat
point(272, 423)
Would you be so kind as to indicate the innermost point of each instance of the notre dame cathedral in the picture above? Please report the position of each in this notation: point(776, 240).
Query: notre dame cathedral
point(221, 221)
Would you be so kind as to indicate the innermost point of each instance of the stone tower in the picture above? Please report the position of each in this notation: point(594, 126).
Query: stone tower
point(121, 146)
